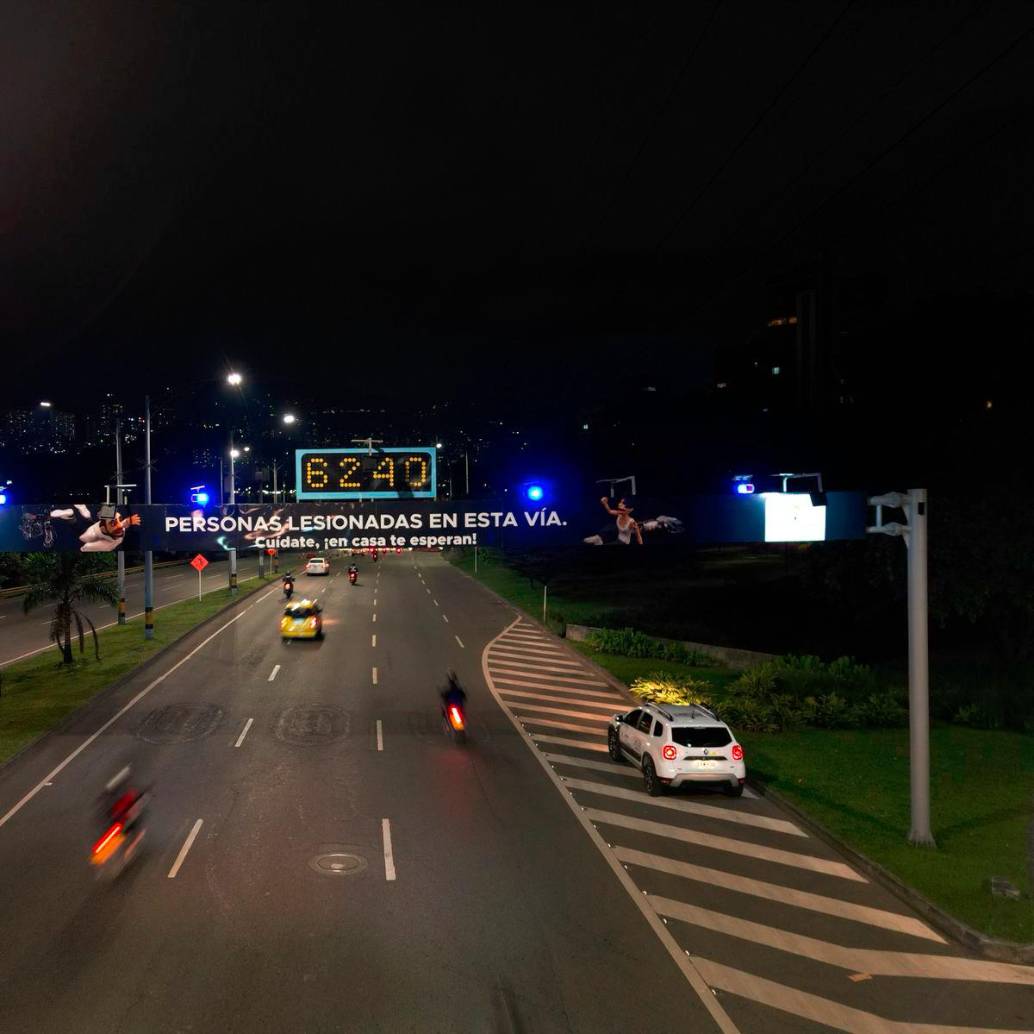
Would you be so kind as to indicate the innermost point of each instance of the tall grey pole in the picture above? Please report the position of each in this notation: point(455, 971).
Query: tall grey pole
point(274, 482)
point(918, 670)
point(121, 557)
point(233, 501)
point(148, 554)
point(466, 471)
point(222, 486)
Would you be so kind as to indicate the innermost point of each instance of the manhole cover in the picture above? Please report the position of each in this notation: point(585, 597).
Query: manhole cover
point(338, 863)
point(308, 726)
point(180, 723)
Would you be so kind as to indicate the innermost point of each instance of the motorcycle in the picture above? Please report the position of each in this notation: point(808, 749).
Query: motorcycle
point(353, 577)
point(288, 590)
point(454, 721)
point(116, 847)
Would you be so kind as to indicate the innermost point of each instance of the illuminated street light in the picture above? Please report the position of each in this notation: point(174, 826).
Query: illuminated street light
point(234, 379)
point(437, 445)
point(289, 418)
point(46, 405)
point(235, 454)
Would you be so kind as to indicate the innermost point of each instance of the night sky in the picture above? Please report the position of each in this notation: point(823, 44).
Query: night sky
point(495, 197)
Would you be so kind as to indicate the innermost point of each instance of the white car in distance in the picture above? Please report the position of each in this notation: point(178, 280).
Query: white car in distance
point(673, 745)
point(317, 565)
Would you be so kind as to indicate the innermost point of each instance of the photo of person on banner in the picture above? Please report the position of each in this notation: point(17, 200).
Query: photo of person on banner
point(626, 527)
point(102, 534)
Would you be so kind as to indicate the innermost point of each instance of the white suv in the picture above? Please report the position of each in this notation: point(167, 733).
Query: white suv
point(317, 565)
point(675, 745)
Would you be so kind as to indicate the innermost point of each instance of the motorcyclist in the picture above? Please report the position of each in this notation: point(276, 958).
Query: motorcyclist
point(288, 584)
point(122, 801)
point(452, 692)
point(353, 571)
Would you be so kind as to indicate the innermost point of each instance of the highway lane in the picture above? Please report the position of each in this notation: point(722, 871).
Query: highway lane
point(23, 634)
point(500, 916)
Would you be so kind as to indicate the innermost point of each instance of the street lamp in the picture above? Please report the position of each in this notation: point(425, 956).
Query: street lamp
point(46, 405)
point(234, 379)
point(289, 418)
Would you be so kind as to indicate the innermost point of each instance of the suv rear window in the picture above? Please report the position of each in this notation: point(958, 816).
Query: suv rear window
point(701, 735)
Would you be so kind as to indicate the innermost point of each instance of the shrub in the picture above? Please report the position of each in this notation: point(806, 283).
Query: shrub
point(834, 712)
point(748, 713)
point(881, 710)
point(629, 642)
point(661, 688)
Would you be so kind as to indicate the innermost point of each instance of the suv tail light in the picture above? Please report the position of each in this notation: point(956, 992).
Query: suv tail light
point(669, 753)
point(737, 752)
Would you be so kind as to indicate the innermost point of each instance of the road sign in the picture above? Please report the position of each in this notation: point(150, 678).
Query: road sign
point(199, 563)
point(271, 551)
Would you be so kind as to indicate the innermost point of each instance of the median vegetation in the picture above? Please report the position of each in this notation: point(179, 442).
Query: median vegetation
point(39, 692)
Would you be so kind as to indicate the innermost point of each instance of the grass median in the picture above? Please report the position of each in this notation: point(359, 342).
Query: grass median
point(38, 692)
point(855, 782)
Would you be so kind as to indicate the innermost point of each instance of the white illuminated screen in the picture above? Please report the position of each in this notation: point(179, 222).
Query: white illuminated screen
point(790, 517)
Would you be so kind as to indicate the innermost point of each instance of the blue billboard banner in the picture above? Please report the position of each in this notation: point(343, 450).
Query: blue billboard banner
point(403, 523)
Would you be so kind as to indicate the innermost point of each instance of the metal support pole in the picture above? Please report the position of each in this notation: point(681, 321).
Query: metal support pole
point(918, 670)
point(466, 471)
point(148, 554)
point(545, 602)
point(233, 502)
point(121, 557)
point(475, 560)
point(274, 482)
point(222, 487)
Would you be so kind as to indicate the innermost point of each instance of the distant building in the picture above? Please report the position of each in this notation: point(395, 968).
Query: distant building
point(42, 429)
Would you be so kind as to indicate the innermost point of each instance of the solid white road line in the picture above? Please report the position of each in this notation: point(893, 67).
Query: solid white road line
point(132, 703)
point(819, 1010)
point(389, 858)
point(380, 736)
point(373, 640)
point(528, 719)
point(707, 811)
point(516, 705)
point(531, 641)
point(191, 837)
point(782, 894)
point(272, 674)
point(596, 694)
point(460, 641)
point(856, 960)
point(576, 679)
point(557, 699)
point(563, 741)
point(244, 732)
point(678, 956)
point(601, 766)
point(549, 651)
point(542, 669)
point(375, 676)
point(744, 848)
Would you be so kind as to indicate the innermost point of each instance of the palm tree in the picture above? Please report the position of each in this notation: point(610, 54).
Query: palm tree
point(71, 579)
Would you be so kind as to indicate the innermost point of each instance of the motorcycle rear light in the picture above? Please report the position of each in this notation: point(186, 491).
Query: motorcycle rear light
point(737, 752)
point(455, 716)
point(669, 753)
point(109, 835)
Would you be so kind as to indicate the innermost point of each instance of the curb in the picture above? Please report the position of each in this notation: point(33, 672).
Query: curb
point(144, 666)
point(958, 931)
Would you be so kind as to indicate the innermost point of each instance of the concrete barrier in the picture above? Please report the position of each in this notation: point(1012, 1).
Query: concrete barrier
point(728, 655)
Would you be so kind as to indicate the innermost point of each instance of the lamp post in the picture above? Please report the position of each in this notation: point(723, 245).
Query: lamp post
point(148, 554)
point(234, 454)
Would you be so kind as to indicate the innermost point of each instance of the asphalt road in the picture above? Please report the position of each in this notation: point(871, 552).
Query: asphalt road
point(320, 857)
point(22, 635)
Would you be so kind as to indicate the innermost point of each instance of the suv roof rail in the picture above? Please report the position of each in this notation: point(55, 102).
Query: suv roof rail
point(664, 714)
point(706, 710)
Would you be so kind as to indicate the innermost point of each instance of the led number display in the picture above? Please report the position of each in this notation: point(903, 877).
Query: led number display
point(394, 473)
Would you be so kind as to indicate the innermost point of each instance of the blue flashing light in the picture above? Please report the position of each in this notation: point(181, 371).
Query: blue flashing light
point(744, 488)
point(202, 498)
point(3, 499)
point(534, 492)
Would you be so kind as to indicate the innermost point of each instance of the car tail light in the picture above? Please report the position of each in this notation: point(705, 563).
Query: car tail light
point(455, 717)
point(669, 753)
point(109, 835)
point(737, 752)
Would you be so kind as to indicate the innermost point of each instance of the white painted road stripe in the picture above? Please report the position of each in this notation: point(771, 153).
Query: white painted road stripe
point(548, 651)
point(526, 658)
point(563, 741)
point(434, 601)
point(577, 680)
point(557, 699)
point(621, 704)
point(856, 960)
point(743, 848)
point(132, 703)
point(191, 836)
point(782, 894)
point(375, 676)
point(373, 640)
point(820, 1010)
point(516, 705)
point(460, 641)
point(445, 619)
point(601, 766)
point(272, 674)
point(389, 858)
point(707, 811)
point(375, 616)
point(380, 736)
point(529, 719)
point(244, 732)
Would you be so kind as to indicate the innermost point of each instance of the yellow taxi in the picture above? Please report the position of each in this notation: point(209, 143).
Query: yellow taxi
point(303, 619)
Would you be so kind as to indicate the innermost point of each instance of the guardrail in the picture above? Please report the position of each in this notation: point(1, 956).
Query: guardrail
point(19, 590)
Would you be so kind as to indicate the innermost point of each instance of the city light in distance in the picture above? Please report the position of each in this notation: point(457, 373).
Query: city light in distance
point(46, 405)
point(289, 418)
point(234, 379)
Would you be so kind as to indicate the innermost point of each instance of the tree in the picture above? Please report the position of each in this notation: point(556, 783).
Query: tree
point(71, 579)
